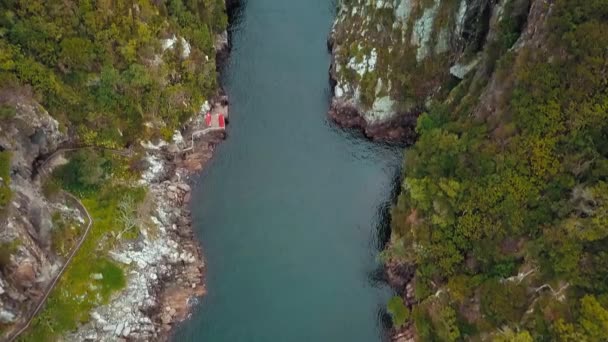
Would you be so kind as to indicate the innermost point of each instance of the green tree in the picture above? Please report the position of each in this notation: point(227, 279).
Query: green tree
point(84, 172)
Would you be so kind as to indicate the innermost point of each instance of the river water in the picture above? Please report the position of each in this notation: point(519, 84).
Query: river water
point(290, 209)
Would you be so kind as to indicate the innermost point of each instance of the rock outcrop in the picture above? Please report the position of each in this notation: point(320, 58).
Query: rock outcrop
point(392, 58)
point(26, 262)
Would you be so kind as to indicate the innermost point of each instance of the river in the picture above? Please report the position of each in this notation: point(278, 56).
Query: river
point(290, 210)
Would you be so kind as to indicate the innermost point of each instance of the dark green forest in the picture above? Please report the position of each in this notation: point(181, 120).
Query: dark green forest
point(505, 214)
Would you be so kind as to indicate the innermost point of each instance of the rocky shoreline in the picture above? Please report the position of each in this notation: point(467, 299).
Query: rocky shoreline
point(347, 111)
point(168, 267)
point(401, 129)
point(165, 266)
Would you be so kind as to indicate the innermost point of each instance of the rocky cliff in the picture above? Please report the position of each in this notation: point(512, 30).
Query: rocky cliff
point(391, 58)
point(27, 263)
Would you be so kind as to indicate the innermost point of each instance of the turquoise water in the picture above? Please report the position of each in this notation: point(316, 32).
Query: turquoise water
point(289, 210)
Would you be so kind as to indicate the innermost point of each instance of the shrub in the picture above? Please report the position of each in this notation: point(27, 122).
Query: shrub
point(399, 312)
point(83, 173)
point(5, 178)
point(7, 112)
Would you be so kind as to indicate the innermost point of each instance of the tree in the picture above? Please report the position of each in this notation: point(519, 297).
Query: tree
point(593, 319)
point(77, 53)
point(503, 302)
point(83, 172)
point(511, 336)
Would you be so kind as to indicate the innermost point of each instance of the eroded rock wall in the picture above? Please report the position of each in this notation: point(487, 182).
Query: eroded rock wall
point(391, 58)
point(25, 223)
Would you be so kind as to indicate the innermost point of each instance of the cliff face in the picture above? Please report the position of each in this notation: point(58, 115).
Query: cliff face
point(27, 263)
point(391, 58)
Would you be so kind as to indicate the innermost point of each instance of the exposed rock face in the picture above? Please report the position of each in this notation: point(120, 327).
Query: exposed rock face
point(392, 57)
point(26, 224)
point(32, 132)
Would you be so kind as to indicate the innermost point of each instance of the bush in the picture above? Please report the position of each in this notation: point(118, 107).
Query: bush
point(6, 250)
point(399, 312)
point(7, 112)
point(504, 302)
point(5, 178)
point(83, 173)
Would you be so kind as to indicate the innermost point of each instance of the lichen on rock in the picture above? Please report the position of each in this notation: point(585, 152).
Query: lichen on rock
point(411, 48)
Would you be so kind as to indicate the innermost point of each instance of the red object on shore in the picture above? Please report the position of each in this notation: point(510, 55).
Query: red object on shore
point(208, 119)
point(221, 121)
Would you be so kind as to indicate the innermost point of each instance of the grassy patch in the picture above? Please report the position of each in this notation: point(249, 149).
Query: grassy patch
point(7, 112)
point(79, 289)
point(5, 178)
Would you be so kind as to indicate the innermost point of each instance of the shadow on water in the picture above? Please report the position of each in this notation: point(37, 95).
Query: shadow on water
point(234, 10)
point(383, 228)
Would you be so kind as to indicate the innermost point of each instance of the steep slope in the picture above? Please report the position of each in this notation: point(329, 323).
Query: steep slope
point(500, 229)
point(25, 217)
point(503, 204)
point(110, 76)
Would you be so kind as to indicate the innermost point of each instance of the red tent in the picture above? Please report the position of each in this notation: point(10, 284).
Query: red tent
point(221, 120)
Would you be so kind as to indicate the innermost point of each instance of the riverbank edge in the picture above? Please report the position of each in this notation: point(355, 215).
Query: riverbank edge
point(172, 278)
point(176, 289)
point(188, 287)
point(181, 290)
point(346, 114)
point(400, 129)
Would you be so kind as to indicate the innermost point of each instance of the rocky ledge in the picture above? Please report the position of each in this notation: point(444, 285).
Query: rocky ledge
point(399, 129)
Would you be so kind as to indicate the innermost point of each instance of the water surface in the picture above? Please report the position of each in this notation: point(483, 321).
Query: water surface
point(289, 209)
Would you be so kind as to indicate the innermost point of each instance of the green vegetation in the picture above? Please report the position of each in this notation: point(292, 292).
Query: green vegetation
point(399, 312)
point(83, 174)
point(112, 73)
point(5, 179)
point(65, 234)
point(103, 190)
point(100, 66)
point(7, 112)
point(508, 210)
point(6, 250)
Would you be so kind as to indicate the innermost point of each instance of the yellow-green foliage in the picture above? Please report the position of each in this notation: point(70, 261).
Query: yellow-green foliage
point(5, 175)
point(77, 292)
point(518, 189)
point(99, 66)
